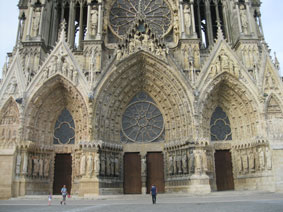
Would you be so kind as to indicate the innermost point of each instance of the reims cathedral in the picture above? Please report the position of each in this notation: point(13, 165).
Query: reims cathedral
point(112, 96)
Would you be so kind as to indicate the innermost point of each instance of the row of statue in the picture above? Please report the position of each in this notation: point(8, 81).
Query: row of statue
point(8, 134)
point(256, 159)
point(188, 162)
point(33, 165)
point(59, 64)
point(138, 40)
point(99, 164)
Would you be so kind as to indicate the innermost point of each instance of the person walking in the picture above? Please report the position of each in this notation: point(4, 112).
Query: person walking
point(49, 198)
point(64, 194)
point(153, 192)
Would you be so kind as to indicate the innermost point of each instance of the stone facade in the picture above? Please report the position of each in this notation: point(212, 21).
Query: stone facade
point(95, 80)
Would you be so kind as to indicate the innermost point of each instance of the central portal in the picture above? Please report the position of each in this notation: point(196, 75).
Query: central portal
point(155, 171)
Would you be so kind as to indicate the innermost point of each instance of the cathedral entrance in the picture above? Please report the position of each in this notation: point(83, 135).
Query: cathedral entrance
point(132, 173)
point(155, 171)
point(62, 173)
point(224, 170)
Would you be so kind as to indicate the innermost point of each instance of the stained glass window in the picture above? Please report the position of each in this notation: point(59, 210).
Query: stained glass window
point(220, 129)
point(64, 131)
point(142, 121)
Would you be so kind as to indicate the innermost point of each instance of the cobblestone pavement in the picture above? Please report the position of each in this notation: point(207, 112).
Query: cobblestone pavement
point(215, 202)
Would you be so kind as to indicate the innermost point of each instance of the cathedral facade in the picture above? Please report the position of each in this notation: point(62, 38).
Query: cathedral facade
point(112, 96)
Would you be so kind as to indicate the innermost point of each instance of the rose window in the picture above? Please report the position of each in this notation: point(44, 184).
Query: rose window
point(142, 121)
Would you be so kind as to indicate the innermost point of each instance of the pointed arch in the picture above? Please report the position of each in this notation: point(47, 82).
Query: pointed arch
point(47, 103)
point(142, 72)
point(236, 100)
point(9, 121)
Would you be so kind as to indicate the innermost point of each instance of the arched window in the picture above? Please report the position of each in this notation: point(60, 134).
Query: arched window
point(220, 129)
point(64, 131)
point(142, 121)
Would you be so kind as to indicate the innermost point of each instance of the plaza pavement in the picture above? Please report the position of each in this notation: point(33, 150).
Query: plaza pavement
point(229, 201)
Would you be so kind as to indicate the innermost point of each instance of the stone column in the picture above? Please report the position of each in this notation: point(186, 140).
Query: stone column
point(88, 21)
point(18, 31)
point(55, 24)
point(41, 21)
point(99, 31)
point(193, 18)
point(29, 21)
point(183, 34)
point(143, 173)
point(208, 23)
point(249, 16)
point(199, 23)
point(239, 18)
point(260, 25)
point(71, 28)
point(81, 27)
point(225, 22)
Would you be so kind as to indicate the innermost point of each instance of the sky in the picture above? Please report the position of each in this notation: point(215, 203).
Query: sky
point(271, 10)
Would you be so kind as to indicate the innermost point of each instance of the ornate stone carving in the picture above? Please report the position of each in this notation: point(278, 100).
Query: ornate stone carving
point(244, 19)
point(18, 163)
point(36, 22)
point(187, 19)
point(89, 164)
point(83, 165)
point(46, 166)
point(93, 21)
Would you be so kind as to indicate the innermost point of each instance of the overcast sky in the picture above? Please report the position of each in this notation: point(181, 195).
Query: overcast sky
point(272, 18)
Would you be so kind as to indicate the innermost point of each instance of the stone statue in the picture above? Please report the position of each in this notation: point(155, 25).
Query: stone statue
point(82, 165)
point(46, 167)
point(268, 158)
point(102, 164)
point(143, 166)
point(191, 163)
point(36, 22)
point(170, 165)
point(93, 21)
point(35, 167)
point(25, 164)
point(244, 19)
point(30, 166)
point(40, 162)
point(239, 162)
point(96, 164)
point(184, 163)
point(251, 161)
point(204, 160)
point(117, 164)
point(18, 163)
point(224, 61)
point(179, 163)
point(176, 27)
point(108, 164)
point(187, 19)
point(198, 158)
point(89, 164)
point(245, 161)
point(112, 165)
point(119, 53)
point(261, 158)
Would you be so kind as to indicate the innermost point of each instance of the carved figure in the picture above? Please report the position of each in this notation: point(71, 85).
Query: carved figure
point(40, 162)
point(46, 167)
point(184, 163)
point(82, 165)
point(89, 164)
point(36, 21)
point(268, 158)
point(245, 161)
point(187, 19)
point(117, 164)
point(18, 163)
point(96, 164)
point(112, 165)
point(94, 21)
point(35, 167)
point(170, 165)
point(244, 19)
point(204, 160)
point(102, 164)
point(197, 157)
point(251, 161)
point(261, 158)
point(30, 166)
point(25, 164)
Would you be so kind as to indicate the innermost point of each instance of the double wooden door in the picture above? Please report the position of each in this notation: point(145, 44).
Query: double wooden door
point(62, 173)
point(224, 170)
point(132, 173)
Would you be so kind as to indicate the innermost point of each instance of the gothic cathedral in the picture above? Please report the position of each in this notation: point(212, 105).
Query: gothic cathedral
point(112, 96)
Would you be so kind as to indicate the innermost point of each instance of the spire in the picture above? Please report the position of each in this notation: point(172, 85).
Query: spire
point(62, 31)
point(220, 35)
point(276, 62)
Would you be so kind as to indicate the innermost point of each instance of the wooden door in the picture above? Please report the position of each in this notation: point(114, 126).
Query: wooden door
point(62, 173)
point(224, 170)
point(132, 173)
point(155, 171)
